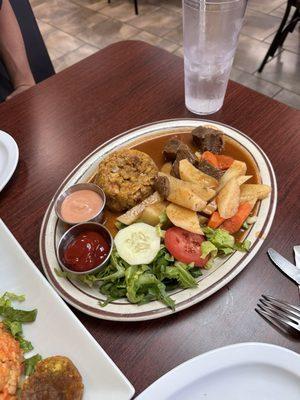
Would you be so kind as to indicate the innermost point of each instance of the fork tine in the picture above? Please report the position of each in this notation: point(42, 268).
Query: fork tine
point(281, 318)
point(271, 319)
point(282, 303)
point(282, 309)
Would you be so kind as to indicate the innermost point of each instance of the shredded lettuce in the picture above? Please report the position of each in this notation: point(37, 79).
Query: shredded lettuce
point(219, 238)
point(242, 246)
point(207, 248)
point(30, 364)
point(160, 232)
point(163, 218)
point(119, 225)
point(12, 314)
point(209, 264)
point(14, 318)
point(61, 274)
point(88, 279)
point(25, 345)
point(224, 242)
point(141, 284)
point(245, 225)
point(7, 298)
point(180, 272)
point(14, 327)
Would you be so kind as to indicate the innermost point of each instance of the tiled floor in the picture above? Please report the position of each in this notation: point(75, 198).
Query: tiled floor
point(74, 29)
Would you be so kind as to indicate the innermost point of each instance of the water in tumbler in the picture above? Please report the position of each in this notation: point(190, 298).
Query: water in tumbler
point(205, 84)
point(210, 36)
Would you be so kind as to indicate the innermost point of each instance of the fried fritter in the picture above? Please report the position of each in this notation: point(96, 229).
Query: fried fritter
point(11, 357)
point(55, 378)
point(127, 177)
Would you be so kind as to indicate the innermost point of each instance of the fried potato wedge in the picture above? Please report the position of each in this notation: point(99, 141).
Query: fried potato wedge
point(205, 193)
point(189, 173)
point(184, 218)
point(228, 199)
point(151, 214)
point(133, 214)
point(251, 191)
point(210, 207)
point(178, 192)
point(166, 168)
point(238, 168)
point(243, 178)
point(252, 202)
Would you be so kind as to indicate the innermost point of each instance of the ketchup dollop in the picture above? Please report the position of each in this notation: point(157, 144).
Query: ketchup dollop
point(86, 251)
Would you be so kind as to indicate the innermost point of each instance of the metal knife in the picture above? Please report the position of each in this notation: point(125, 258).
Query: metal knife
point(287, 267)
point(297, 260)
point(297, 256)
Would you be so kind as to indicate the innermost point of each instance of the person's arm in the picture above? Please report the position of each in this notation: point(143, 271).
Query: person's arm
point(12, 50)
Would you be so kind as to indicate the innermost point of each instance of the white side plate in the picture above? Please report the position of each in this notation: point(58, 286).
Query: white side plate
point(245, 371)
point(56, 330)
point(9, 156)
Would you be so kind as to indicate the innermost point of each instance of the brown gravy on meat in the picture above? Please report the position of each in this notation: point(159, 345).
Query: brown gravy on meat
point(154, 148)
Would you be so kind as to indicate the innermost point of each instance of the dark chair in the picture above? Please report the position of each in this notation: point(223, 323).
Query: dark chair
point(286, 27)
point(37, 53)
point(136, 6)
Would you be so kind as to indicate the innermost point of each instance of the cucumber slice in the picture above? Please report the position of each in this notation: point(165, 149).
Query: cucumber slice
point(138, 243)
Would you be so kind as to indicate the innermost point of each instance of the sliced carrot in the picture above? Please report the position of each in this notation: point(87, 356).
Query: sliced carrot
point(215, 220)
point(210, 158)
point(224, 162)
point(234, 224)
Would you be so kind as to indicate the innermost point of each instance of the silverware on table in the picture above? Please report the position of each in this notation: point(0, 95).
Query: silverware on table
point(291, 270)
point(297, 261)
point(297, 256)
point(287, 267)
point(279, 312)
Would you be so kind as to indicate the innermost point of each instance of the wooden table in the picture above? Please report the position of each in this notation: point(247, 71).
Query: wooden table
point(62, 120)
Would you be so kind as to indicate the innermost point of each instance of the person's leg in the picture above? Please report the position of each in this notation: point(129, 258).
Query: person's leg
point(12, 50)
point(39, 60)
point(6, 86)
point(38, 56)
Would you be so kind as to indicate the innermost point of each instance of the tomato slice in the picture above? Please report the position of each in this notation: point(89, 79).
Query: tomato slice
point(185, 246)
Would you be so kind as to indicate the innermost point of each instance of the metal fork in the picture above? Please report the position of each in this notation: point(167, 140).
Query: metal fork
point(278, 312)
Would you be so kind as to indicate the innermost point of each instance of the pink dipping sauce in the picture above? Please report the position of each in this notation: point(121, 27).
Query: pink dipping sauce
point(81, 206)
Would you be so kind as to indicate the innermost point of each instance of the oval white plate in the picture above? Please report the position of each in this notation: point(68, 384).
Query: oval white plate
point(244, 371)
point(225, 270)
point(9, 156)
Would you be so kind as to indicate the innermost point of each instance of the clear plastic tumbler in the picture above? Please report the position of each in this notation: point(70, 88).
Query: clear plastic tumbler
point(210, 32)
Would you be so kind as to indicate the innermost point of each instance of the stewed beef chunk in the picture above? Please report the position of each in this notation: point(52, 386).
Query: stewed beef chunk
point(171, 148)
point(183, 153)
point(209, 169)
point(208, 139)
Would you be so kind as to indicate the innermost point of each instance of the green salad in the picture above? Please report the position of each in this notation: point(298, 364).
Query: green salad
point(156, 272)
point(13, 320)
point(141, 284)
